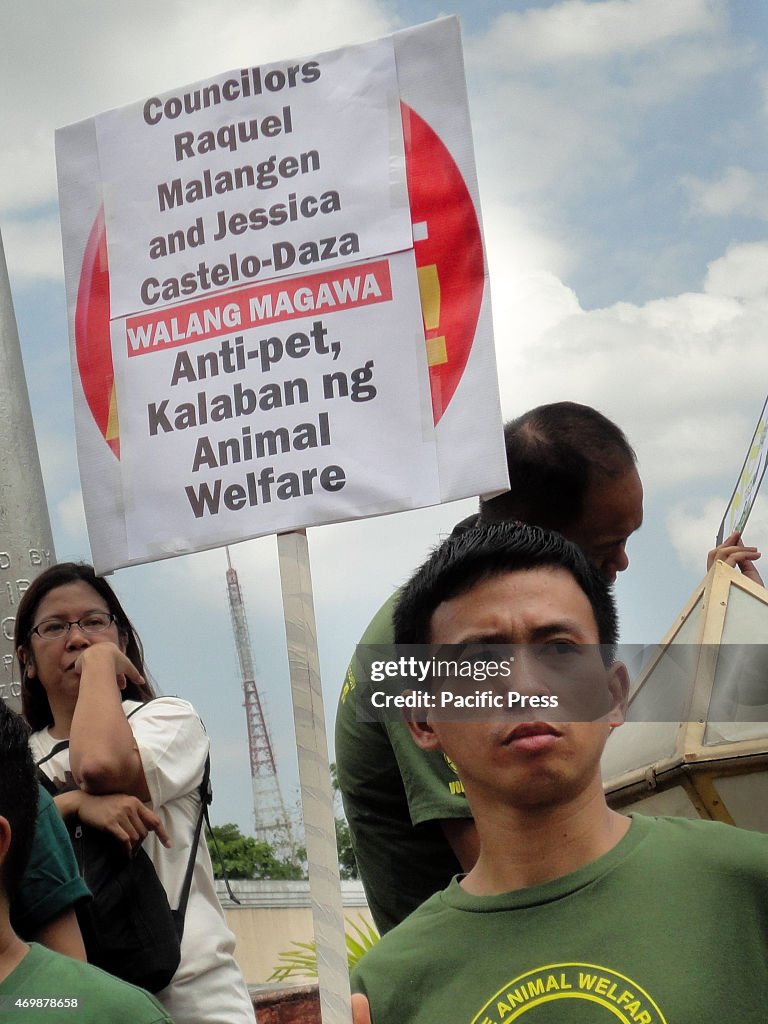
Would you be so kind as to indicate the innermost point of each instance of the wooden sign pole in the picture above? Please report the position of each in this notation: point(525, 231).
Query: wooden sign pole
point(314, 777)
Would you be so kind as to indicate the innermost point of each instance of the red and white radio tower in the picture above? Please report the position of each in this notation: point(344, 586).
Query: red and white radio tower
point(272, 824)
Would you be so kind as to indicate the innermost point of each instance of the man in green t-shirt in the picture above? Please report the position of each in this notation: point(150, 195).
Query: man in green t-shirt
point(37, 984)
point(572, 912)
point(572, 470)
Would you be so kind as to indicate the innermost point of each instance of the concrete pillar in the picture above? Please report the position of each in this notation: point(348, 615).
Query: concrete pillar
point(26, 541)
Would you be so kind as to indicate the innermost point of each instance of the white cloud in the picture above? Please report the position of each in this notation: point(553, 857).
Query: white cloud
point(541, 141)
point(690, 528)
point(58, 458)
point(546, 142)
point(33, 249)
point(71, 514)
point(659, 76)
point(742, 273)
point(517, 245)
point(737, 191)
point(27, 170)
point(577, 29)
point(561, 92)
point(685, 376)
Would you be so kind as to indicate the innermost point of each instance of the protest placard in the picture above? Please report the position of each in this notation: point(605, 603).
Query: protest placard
point(747, 486)
point(278, 300)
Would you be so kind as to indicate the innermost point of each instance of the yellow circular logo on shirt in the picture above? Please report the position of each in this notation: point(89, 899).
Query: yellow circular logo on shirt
point(603, 994)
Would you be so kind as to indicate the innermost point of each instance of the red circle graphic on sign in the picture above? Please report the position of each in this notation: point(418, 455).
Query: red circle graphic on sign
point(449, 261)
point(92, 341)
point(449, 256)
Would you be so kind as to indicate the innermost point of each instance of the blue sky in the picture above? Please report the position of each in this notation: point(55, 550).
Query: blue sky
point(621, 153)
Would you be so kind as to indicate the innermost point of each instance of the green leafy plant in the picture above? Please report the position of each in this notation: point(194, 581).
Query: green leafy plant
point(247, 857)
point(301, 961)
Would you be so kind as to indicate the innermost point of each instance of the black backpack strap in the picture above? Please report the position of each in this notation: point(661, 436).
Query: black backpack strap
point(46, 783)
point(61, 745)
point(205, 799)
point(212, 834)
point(42, 778)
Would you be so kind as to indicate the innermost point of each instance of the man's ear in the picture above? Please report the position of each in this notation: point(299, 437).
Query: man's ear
point(618, 685)
point(419, 728)
point(5, 839)
point(26, 660)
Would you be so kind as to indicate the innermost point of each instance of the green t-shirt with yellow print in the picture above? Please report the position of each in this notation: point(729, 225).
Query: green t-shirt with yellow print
point(669, 927)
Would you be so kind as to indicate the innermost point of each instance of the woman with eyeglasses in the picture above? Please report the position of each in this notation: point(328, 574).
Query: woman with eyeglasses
point(136, 777)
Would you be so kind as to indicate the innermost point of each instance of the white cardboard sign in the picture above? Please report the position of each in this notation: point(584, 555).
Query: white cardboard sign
point(278, 300)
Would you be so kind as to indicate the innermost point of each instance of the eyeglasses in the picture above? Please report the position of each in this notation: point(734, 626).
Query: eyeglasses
point(93, 622)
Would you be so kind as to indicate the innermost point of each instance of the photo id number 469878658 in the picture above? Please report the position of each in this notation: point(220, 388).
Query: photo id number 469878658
point(9, 1003)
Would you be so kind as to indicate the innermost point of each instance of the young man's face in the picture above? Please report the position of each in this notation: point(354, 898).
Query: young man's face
point(522, 758)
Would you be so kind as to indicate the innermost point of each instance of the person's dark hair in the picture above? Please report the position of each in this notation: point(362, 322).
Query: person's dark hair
point(489, 550)
point(34, 701)
point(555, 454)
point(18, 796)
